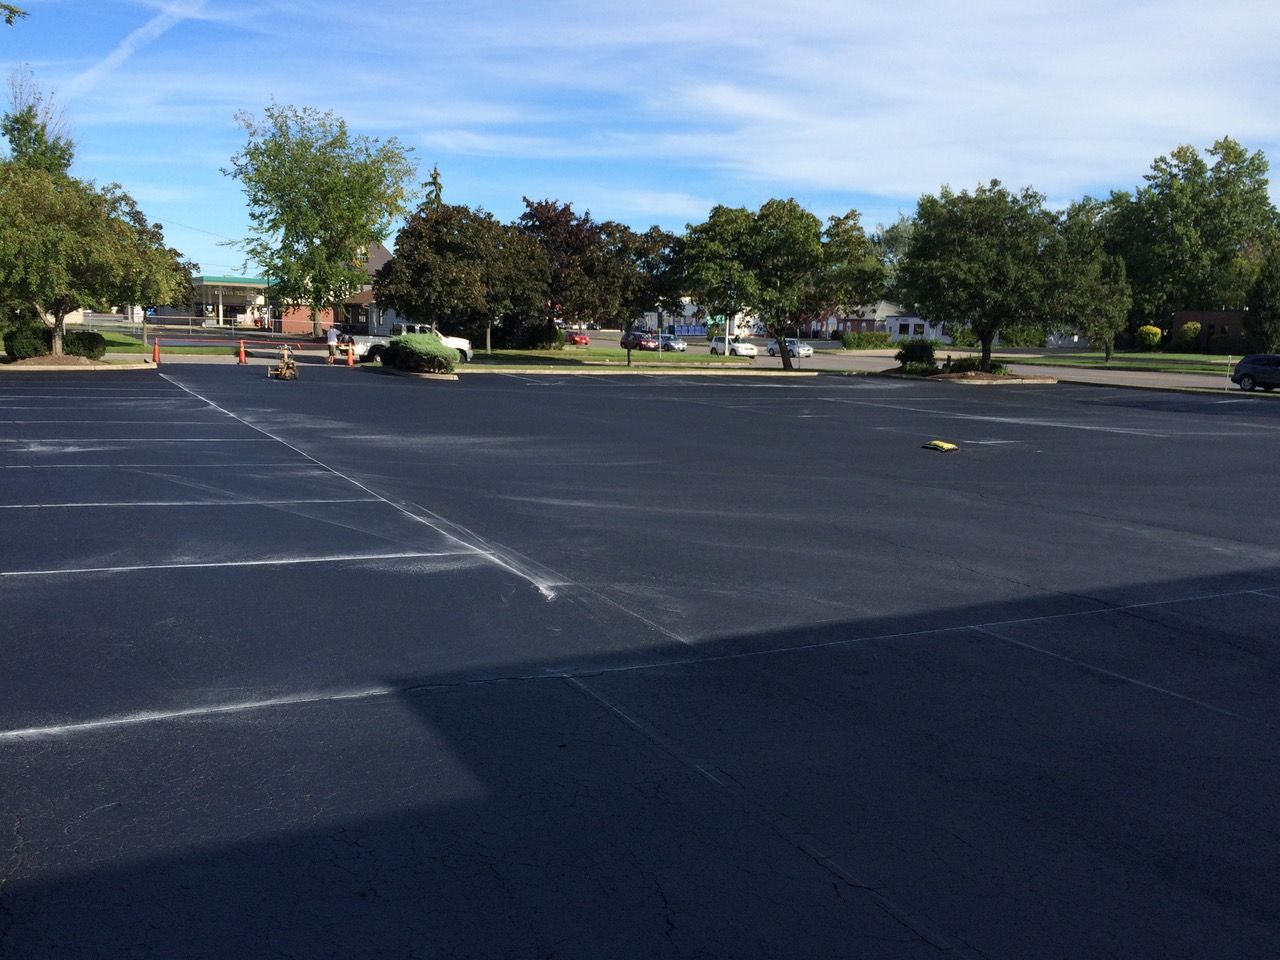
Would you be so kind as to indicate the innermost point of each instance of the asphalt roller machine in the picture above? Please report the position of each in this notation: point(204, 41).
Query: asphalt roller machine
point(286, 367)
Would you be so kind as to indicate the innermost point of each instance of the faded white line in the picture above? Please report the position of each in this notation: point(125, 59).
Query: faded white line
point(133, 440)
point(1093, 668)
point(506, 561)
point(1017, 421)
point(66, 729)
point(183, 503)
point(172, 466)
point(277, 562)
point(167, 423)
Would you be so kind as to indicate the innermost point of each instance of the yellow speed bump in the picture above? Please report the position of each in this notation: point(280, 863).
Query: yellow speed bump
point(941, 446)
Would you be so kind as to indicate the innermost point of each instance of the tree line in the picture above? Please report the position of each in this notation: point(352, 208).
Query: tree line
point(1199, 233)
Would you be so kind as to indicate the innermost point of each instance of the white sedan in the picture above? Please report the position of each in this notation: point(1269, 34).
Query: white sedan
point(737, 348)
point(794, 347)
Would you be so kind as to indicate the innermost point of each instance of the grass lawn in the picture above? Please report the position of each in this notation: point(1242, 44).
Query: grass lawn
point(119, 343)
point(1155, 362)
point(586, 356)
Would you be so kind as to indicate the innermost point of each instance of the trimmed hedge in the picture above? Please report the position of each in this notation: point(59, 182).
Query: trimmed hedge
point(921, 369)
point(419, 353)
point(851, 340)
point(917, 350)
point(83, 343)
point(973, 365)
point(25, 342)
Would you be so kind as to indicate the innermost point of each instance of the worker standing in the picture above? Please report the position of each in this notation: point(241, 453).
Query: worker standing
point(331, 337)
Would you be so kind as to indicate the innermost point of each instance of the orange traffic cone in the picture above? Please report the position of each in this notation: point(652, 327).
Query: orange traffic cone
point(155, 352)
point(242, 356)
point(351, 354)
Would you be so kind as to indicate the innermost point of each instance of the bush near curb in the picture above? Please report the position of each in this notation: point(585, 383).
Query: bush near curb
point(23, 343)
point(849, 340)
point(917, 350)
point(921, 369)
point(84, 343)
point(419, 353)
point(1148, 337)
point(973, 365)
point(27, 341)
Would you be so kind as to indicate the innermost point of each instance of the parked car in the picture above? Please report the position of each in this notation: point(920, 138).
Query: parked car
point(1258, 370)
point(592, 325)
point(576, 339)
point(638, 340)
point(794, 347)
point(672, 342)
point(737, 347)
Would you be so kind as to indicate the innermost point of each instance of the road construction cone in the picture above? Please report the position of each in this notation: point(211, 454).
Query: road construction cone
point(155, 352)
point(351, 354)
point(242, 356)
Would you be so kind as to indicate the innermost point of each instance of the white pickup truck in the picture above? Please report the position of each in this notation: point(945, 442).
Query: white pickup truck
point(370, 348)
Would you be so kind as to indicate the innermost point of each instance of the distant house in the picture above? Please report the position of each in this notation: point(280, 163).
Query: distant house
point(1223, 329)
point(883, 316)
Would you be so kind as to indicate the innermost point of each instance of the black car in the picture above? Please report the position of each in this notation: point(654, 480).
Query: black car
point(1258, 370)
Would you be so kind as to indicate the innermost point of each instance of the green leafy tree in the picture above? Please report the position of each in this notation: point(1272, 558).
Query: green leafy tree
point(319, 197)
point(779, 264)
point(891, 244)
point(11, 13)
point(575, 250)
point(1194, 235)
point(1092, 284)
point(711, 263)
point(34, 126)
point(463, 269)
point(982, 261)
point(65, 245)
point(1262, 322)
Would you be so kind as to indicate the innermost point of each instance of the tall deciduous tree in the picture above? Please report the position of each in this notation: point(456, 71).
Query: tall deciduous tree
point(64, 243)
point(319, 197)
point(1194, 235)
point(982, 260)
point(779, 264)
point(575, 250)
point(1262, 322)
point(1090, 285)
point(462, 268)
point(35, 127)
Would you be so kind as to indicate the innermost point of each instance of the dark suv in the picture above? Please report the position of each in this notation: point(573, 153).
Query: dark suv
point(1258, 370)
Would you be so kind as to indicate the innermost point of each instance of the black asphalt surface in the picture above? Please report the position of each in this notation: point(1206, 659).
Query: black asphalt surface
point(580, 667)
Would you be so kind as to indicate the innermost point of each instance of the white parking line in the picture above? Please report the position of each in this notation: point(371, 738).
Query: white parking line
point(277, 562)
point(134, 440)
point(183, 503)
point(61, 730)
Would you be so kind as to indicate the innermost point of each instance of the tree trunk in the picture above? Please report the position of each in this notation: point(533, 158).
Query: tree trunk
point(59, 328)
point(317, 329)
point(1107, 346)
point(986, 339)
point(784, 353)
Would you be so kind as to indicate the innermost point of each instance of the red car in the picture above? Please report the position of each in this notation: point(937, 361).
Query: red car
point(639, 340)
point(577, 339)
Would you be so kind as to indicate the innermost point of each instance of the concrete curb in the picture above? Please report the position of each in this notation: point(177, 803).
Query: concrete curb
point(640, 371)
point(967, 382)
point(1234, 391)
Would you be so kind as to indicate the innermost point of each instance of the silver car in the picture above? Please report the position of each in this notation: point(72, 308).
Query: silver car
point(794, 347)
point(671, 342)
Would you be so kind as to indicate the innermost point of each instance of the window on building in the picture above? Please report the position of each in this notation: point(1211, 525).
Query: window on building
point(904, 329)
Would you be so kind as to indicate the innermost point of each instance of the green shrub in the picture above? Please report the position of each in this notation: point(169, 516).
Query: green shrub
point(25, 342)
point(1148, 337)
point(864, 341)
point(84, 343)
point(916, 350)
point(1188, 339)
point(419, 353)
point(921, 369)
point(541, 336)
point(973, 364)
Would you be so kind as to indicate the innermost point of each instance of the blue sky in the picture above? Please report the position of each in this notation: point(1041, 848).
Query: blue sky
point(651, 113)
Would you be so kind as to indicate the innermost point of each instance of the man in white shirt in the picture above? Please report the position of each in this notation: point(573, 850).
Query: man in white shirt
point(331, 338)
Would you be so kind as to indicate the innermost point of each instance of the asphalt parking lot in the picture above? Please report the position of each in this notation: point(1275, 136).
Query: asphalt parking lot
point(635, 666)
